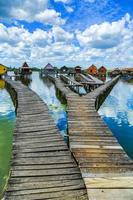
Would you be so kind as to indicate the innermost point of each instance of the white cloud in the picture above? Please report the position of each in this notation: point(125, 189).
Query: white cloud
point(61, 35)
point(63, 1)
point(105, 35)
point(36, 10)
point(49, 16)
point(27, 9)
point(18, 44)
point(108, 44)
point(69, 9)
point(108, 41)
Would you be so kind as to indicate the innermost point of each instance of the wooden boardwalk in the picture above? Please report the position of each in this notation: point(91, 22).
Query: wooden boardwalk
point(42, 165)
point(70, 81)
point(105, 167)
point(90, 80)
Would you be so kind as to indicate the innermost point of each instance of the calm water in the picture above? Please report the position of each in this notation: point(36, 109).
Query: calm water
point(117, 112)
point(7, 121)
point(47, 91)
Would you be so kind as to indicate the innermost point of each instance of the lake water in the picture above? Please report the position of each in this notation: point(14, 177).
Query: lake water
point(117, 112)
point(7, 121)
point(48, 93)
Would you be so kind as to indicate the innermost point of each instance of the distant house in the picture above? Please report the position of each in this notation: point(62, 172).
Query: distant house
point(48, 69)
point(25, 69)
point(102, 71)
point(115, 72)
point(71, 71)
point(127, 71)
point(92, 70)
point(77, 69)
point(64, 70)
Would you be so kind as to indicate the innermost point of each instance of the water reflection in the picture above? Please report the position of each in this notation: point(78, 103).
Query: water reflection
point(26, 80)
point(7, 120)
point(2, 84)
point(6, 105)
point(117, 112)
point(48, 93)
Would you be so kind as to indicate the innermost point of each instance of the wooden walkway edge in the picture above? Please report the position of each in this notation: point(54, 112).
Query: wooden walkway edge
point(42, 165)
point(105, 167)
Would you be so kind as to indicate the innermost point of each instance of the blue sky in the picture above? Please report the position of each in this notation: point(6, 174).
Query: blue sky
point(66, 32)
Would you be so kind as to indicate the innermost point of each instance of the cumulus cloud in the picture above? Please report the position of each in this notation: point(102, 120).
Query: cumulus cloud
point(63, 1)
point(18, 44)
point(49, 16)
point(12, 8)
point(61, 35)
point(108, 44)
point(105, 35)
point(36, 10)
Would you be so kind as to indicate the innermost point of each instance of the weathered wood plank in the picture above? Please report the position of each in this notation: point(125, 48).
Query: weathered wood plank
point(75, 194)
point(110, 194)
point(17, 180)
point(46, 185)
point(109, 182)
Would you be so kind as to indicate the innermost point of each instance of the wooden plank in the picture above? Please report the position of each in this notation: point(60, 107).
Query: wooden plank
point(109, 183)
point(17, 180)
point(46, 189)
point(46, 166)
point(110, 194)
point(75, 194)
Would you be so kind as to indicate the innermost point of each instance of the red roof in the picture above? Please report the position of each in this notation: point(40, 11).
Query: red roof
point(102, 67)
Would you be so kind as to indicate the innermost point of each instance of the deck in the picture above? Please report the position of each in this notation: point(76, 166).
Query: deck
point(42, 165)
point(105, 167)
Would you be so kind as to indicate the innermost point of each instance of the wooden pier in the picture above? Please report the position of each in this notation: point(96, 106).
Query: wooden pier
point(89, 82)
point(105, 167)
point(42, 165)
point(71, 83)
